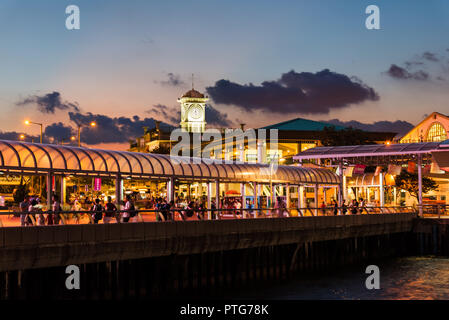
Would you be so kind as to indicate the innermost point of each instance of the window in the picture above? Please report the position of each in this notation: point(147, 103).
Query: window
point(436, 132)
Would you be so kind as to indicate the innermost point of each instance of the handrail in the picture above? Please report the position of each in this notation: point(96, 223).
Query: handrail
point(180, 214)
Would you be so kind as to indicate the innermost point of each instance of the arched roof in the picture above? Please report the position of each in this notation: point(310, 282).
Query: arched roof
point(24, 157)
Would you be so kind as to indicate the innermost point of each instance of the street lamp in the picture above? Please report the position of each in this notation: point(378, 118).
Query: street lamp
point(28, 122)
point(93, 124)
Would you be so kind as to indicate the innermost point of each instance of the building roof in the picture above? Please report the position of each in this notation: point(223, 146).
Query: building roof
point(32, 158)
point(369, 150)
point(193, 94)
point(300, 124)
point(432, 115)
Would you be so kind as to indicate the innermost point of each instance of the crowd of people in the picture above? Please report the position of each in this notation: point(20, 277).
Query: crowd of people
point(354, 207)
point(182, 208)
point(31, 212)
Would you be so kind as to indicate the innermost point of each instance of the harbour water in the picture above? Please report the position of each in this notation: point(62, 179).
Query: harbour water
point(406, 278)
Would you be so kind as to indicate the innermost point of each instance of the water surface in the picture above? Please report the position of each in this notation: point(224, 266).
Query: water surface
point(400, 278)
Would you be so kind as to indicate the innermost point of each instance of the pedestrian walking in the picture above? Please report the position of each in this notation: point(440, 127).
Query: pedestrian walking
point(130, 210)
point(54, 218)
point(110, 211)
point(354, 207)
point(335, 208)
point(23, 206)
point(97, 210)
point(31, 216)
point(344, 207)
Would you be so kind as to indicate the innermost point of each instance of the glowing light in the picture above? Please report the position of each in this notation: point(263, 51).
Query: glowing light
point(27, 122)
point(388, 143)
point(73, 138)
point(93, 124)
point(22, 137)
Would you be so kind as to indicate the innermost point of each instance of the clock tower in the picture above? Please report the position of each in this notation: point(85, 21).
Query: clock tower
point(193, 111)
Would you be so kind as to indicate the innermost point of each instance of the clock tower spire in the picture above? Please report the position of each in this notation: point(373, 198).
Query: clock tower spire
point(193, 111)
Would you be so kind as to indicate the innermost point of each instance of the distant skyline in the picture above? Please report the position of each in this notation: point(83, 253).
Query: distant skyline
point(260, 62)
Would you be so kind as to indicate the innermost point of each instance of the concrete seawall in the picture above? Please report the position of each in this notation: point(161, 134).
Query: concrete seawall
point(52, 246)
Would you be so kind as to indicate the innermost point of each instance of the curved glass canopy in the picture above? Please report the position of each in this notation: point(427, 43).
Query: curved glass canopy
point(23, 157)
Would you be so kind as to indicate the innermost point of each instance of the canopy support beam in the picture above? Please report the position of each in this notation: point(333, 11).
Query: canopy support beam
point(420, 185)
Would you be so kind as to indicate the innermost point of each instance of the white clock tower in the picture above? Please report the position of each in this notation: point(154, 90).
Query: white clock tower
point(193, 111)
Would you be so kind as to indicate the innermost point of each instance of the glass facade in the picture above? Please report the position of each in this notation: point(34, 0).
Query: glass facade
point(436, 132)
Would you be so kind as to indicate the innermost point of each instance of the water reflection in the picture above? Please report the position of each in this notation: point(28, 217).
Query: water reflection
point(400, 279)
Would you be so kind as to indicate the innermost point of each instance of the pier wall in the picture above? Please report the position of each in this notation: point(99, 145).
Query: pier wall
point(167, 259)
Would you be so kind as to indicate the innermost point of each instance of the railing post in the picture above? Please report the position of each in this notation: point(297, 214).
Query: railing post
point(118, 191)
point(209, 200)
point(49, 190)
point(217, 197)
point(171, 189)
point(420, 185)
point(256, 198)
point(301, 202)
point(63, 190)
point(242, 192)
point(381, 190)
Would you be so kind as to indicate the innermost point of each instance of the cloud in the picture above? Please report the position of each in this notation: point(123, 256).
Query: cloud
point(170, 115)
point(109, 130)
point(399, 126)
point(430, 56)
point(49, 103)
point(397, 72)
point(173, 80)
point(14, 136)
point(59, 131)
point(431, 66)
point(305, 92)
point(215, 118)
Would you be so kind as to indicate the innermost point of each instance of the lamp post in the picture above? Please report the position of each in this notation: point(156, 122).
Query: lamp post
point(93, 124)
point(28, 122)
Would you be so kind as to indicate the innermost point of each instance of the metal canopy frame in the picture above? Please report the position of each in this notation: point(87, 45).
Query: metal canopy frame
point(380, 154)
point(393, 151)
point(32, 158)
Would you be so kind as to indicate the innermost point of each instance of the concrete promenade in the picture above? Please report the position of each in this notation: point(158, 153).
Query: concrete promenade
point(47, 246)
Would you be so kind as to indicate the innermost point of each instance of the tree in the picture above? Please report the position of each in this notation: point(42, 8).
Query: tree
point(345, 137)
point(161, 149)
point(409, 182)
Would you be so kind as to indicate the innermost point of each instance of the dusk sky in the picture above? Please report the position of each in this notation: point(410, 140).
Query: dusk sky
point(135, 58)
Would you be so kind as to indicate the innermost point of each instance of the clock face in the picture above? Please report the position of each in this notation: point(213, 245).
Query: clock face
point(195, 111)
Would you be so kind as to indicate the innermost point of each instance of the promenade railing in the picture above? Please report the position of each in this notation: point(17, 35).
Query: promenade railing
point(17, 218)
